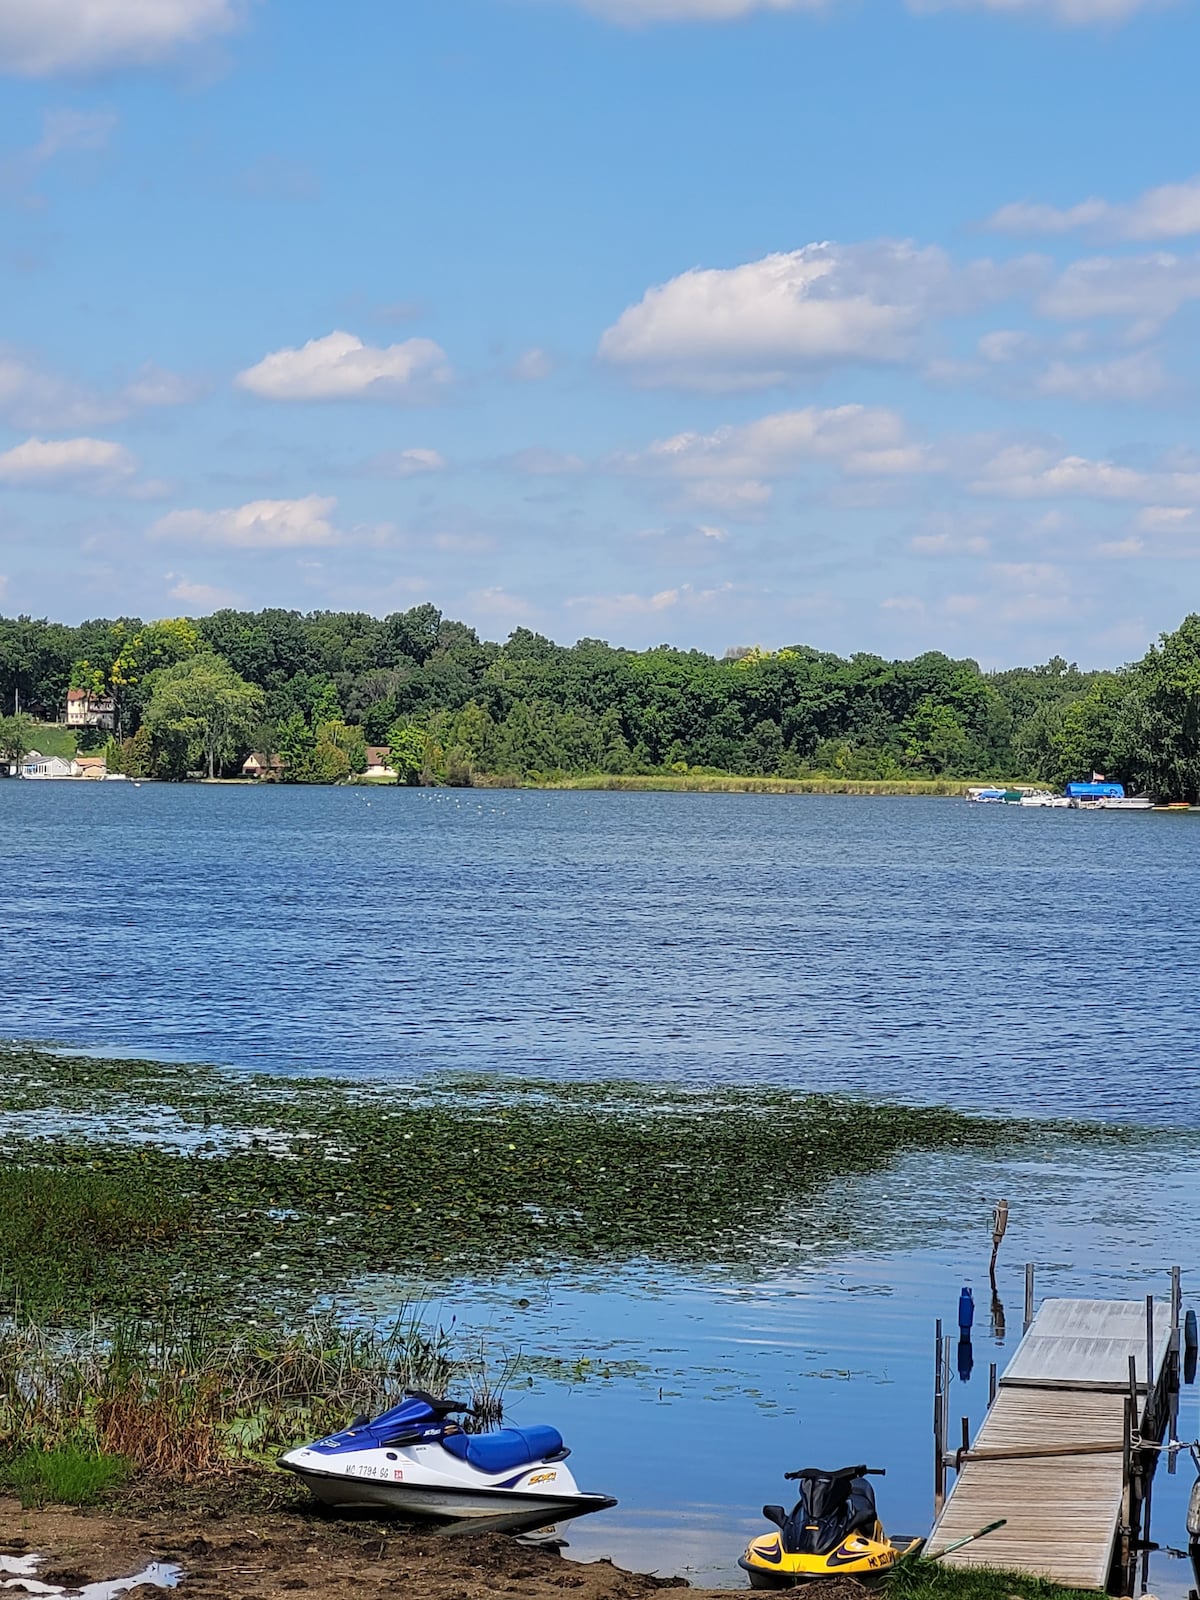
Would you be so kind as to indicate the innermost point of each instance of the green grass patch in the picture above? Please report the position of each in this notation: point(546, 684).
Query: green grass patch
point(52, 739)
point(64, 1475)
point(932, 1580)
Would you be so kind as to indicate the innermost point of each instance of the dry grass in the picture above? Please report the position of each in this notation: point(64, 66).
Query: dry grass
point(185, 1402)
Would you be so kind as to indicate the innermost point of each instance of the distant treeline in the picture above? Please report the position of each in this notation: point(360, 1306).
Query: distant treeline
point(316, 689)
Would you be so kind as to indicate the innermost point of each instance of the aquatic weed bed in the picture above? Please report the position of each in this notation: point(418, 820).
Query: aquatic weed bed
point(271, 1194)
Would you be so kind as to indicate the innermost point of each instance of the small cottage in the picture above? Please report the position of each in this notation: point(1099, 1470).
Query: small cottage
point(261, 765)
point(378, 756)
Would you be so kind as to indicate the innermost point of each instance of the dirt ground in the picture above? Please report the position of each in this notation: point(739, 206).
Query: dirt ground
point(271, 1554)
point(254, 1556)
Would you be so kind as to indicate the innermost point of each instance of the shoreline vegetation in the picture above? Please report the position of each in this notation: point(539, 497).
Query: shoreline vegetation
point(180, 1248)
point(125, 1183)
point(327, 697)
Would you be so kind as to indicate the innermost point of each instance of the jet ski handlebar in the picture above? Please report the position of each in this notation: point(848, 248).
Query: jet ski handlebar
point(838, 1472)
point(443, 1408)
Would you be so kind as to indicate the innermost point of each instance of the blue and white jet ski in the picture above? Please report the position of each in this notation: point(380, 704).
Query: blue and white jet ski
point(415, 1462)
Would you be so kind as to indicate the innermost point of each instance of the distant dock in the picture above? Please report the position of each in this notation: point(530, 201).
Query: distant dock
point(1065, 1453)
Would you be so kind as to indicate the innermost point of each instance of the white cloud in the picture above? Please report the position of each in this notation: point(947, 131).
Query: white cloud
point(949, 543)
point(1170, 211)
point(725, 469)
point(67, 464)
point(200, 594)
point(1074, 13)
point(39, 38)
point(32, 397)
point(633, 13)
point(532, 366)
point(155, 386)
point(1033, 472)
point(498, 605)
point(261, 525)
point(1134, 377)
point(341, 367)
point(1168, 519)
point(751, 325)
point(412, 463)
point(1146, 288)
point(604, 609)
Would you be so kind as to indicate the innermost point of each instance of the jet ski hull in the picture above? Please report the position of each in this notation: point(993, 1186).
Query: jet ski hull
point(444, 1503)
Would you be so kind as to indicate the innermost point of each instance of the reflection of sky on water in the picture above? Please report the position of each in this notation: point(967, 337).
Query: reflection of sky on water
point(720, 1383)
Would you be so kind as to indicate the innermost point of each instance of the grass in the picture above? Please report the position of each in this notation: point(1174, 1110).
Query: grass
point(707, 783)
point(67, 1475)
point(931, 1580)
point(184, 1399)
point(52, 739)
point(281, 1191)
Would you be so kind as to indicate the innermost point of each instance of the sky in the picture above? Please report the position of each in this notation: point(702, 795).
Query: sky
point(866, 324)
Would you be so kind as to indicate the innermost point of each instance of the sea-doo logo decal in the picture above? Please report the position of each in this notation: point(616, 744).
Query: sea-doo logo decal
point(542, 1477)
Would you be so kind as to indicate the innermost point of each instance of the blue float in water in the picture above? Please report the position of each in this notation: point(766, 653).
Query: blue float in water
point(966, 1309)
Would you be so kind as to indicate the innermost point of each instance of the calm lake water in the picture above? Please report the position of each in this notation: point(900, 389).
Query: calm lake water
point(1041, 962)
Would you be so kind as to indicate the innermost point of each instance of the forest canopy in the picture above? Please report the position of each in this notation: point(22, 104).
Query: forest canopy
point(315, 690)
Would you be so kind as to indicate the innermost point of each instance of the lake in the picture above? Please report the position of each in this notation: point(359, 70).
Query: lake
point(1036, 962)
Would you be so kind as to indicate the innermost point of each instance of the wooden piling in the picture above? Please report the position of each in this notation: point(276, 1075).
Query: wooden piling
point(1028, 1295)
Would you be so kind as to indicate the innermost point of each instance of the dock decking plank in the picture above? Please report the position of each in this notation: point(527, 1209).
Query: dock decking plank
point(1061, 1388)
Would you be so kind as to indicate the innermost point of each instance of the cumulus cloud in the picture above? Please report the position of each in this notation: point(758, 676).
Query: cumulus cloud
point(633, 13)
point(752, 325)
point(1034, 472)
point(1073, 13)
point(532, 366)
point(1139, 376)
point(205, 595)
point(726, 469)
point(341, 367)
point(260, 525)
point(1170, 211)
point(603, 610)
point(411, 463)
point(33, 397)
point(39, 38)
point(95, 464)
point(1147, 289)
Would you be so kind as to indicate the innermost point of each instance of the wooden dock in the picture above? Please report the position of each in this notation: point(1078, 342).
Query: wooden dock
point(1057, 1455)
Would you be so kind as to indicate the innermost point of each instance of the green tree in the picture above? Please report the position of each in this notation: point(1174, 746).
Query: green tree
point(203, 711)
point(407, 759)
point(934, 740)
point(1158, 735)
point(137, 754)
point(16, 737)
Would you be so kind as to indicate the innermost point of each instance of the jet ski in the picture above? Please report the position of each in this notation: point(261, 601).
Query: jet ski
point(834, 1530)
point(414, 1461)
point(1193, 1521)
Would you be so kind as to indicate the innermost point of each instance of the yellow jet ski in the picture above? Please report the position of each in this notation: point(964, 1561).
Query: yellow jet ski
point(833, 1530)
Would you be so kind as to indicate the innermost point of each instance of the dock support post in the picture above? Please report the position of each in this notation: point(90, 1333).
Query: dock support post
point(1152, 1410)
point(1174, 1374)
point(939, 1401)
point(992, 1385)
point(1028, 1294)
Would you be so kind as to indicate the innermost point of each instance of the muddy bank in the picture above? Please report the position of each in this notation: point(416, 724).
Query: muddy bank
point(267, 1556)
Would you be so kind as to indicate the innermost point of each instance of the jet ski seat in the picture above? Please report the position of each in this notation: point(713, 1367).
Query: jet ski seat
point(509, 1448)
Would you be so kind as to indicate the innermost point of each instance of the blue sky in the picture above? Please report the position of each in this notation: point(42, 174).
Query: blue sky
point(863, 324)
